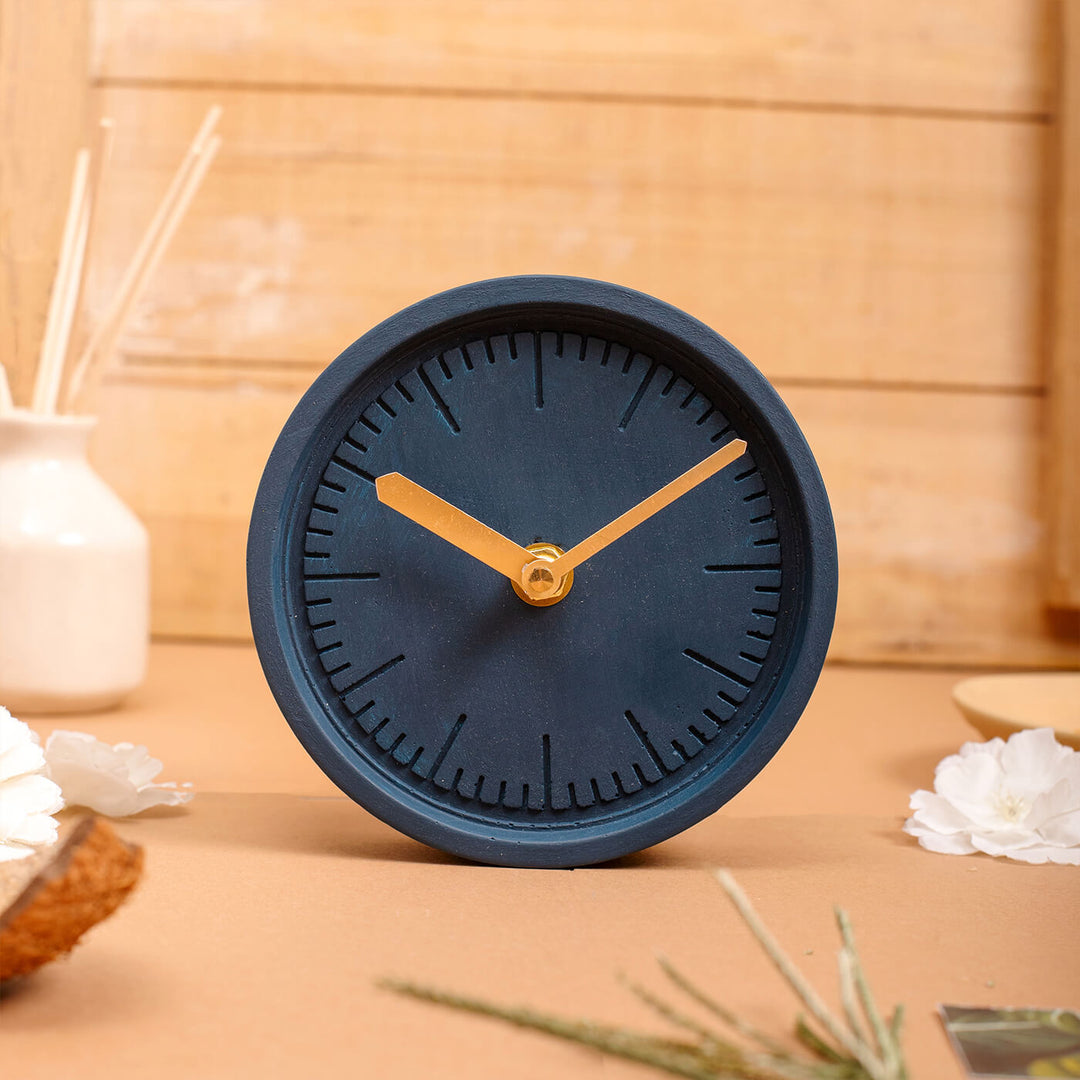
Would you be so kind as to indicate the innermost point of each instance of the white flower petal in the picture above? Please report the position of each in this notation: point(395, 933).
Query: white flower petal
point(12, 731)
point(34, 794)
point(1032, 760)
point(1063, 830)
point(85, 751)
point(161, 795)
point(970, 784)
point(1056, 814)
point(1003, 841)
point(19, 749)
point(36, 830)
point(1019, 799)
point(1044, 854)
point(19, 760)
point(10, 852)
point(943, 845)
point(936, 812)
point(100, 791)
point(970, 777)
point(991, 748)
point(140, 766)
point(113, 780)
point(28, 799)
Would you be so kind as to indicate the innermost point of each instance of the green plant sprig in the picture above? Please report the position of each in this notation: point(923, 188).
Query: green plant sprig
point(838, 1049)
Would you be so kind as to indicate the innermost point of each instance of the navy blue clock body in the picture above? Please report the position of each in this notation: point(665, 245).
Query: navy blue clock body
point(573, 733)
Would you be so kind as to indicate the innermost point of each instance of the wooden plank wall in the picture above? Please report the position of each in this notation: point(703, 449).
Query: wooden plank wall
point(43, 113)
point(855, 194)
point(1063, 464)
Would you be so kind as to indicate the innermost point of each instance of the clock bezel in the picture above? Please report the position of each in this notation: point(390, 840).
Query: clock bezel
point(698, 346)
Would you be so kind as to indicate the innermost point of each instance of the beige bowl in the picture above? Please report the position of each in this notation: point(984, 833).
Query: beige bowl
point(1001, 705)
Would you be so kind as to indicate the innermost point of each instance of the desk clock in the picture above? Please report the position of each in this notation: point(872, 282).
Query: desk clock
point(541, 571)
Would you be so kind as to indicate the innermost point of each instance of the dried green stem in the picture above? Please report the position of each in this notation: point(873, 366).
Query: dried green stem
point(848, 996)
point(794, 978)
point(889, 1047)
point(896, 1024)
point(736, 1023)
point(816, 1044)
point(679, 1059)
point(777, 1062)
point(673, 1016)
point(710, 1056)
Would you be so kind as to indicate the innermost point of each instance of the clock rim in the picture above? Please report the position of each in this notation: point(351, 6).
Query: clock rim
point(289, 679)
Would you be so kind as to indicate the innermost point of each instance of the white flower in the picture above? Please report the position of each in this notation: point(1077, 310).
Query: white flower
point(113, 780)
point(1019, 798)
point(28, 799)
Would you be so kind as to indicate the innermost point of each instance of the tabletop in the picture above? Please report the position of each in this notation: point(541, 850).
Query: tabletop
point(271, 905)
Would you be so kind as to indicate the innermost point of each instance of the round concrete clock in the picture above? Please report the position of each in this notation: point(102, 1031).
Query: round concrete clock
point(541, 571)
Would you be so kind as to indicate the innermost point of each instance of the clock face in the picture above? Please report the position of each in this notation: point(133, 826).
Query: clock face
point(428, 687)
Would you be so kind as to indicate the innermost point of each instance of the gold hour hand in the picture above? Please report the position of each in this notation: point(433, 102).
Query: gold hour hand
point(452, 525)
point(645, 509)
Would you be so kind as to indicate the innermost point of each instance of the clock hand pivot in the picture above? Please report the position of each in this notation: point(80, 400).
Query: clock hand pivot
point(538, 585)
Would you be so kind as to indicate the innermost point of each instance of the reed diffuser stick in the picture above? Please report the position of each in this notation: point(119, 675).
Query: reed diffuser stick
point(100, 153)
point(167, 217)
point(61, 302)
point(95, 370)
point(60, 333)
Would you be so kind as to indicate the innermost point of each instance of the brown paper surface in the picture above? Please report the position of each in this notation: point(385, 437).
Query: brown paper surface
point(252, 946)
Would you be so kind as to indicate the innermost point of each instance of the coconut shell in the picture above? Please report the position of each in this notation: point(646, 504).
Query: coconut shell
point(50, 899)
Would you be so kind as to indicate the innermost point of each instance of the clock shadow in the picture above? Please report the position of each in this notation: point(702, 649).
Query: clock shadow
point(666, 856)
point(740, 844)
point(326, 825)
point(334, 827)
point(654, 858)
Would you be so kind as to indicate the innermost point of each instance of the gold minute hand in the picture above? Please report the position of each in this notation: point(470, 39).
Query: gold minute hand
point(645, 509)
point(452, 525)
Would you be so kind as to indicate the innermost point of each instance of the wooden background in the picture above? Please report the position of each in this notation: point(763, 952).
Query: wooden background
point(858, 195)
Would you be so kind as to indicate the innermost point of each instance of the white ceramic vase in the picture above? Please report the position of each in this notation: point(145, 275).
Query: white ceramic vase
point(74, 573)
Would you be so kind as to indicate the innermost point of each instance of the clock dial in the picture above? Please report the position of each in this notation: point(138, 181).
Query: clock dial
point(654, 686)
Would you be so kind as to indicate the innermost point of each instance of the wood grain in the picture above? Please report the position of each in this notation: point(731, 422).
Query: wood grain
point(192, 480)
point(43, 94)
point(937, 500)
point(936, 497)
point(888, 249)
point(982, 55)
point(855, 194)
point(1063, 457)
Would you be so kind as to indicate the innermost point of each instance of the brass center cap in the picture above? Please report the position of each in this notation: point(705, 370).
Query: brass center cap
point(538, 585)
